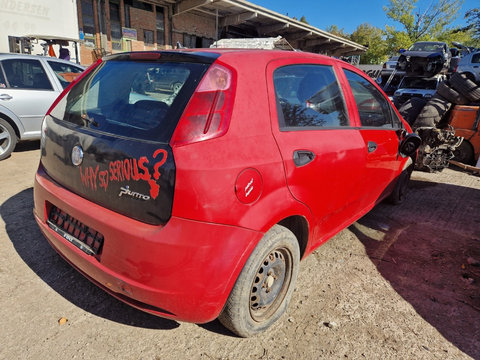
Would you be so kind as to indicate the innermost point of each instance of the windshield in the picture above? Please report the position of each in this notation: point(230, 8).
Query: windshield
point(426, 47)
point(132, 98)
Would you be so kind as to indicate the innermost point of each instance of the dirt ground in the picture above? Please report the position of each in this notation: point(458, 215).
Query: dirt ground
point(401, 283)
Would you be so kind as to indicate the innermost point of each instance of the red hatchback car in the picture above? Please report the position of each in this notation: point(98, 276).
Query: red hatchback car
point(199, 202)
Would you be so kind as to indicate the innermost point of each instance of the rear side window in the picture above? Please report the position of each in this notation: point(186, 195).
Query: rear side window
point(373, 108)
point(308, 96)
point(65, 73)
point(26, 74)
point(135, 99)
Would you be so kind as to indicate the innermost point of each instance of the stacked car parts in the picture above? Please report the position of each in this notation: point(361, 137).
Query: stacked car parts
point(430, 121)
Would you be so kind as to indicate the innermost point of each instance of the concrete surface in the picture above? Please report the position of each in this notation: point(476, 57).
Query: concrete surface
point(401, 283)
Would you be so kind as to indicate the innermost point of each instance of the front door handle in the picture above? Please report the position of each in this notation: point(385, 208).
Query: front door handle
point(372, 146)
point(302, 157)
point(5, 97)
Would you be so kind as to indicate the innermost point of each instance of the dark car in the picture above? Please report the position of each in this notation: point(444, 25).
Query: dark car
point(425, 58)
point(200, 204)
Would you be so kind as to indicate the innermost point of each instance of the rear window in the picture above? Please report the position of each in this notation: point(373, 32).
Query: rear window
point(134, 99)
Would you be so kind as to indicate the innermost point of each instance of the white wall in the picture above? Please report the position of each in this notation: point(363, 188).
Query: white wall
point(40, 17)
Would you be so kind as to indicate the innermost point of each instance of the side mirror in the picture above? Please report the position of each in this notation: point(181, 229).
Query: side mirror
point(401, 51)
point(410, 144)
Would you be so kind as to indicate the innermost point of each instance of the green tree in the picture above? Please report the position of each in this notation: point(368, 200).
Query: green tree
point(373, 38)
point(422, 24)
point(303, 19)
point(333, 29)
point(473, 19)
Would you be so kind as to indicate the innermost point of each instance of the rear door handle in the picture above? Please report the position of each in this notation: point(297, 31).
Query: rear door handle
point(302, 157)
point(5, 97)
point(372, 146)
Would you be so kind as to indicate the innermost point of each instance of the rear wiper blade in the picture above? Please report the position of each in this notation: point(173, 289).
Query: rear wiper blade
point(88, 120)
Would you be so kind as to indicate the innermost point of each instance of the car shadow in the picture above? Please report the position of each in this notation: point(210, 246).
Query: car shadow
point(27, 146)
point(428, 249)
point(35, 251)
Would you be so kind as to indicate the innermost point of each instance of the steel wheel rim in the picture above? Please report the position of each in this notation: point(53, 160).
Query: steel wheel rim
point(5, 139)
point(271, 284)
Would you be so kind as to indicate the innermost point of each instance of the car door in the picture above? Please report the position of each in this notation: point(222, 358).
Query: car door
point(381, 130)
point(323, 154)
point(28, 92)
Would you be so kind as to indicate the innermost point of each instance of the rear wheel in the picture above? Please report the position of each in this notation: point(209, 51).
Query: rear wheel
point(264, 287)
point(8, 139)
point(399, 193)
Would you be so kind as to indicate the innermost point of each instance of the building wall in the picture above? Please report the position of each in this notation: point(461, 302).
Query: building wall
point(192, 24)
point(41, 17)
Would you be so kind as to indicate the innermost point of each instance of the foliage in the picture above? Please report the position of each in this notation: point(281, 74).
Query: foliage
point(373, 38)
point(333, 29)
point(303, 19)
point(473, 19)
point(423, 25)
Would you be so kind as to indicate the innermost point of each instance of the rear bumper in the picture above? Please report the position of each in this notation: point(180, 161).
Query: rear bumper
point(183, 270)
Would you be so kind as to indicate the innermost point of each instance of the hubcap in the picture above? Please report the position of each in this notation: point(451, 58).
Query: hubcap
point(270, 284)
point(4, 140)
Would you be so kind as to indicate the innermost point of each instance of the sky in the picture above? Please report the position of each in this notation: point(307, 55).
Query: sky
point(348, 14)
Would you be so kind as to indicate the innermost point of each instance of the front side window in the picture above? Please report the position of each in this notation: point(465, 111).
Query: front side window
point(373, 108)
point(309, 96)
point(26, 74)
point(65, 73)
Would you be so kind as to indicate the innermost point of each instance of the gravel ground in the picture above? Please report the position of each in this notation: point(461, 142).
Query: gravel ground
point(401, 283)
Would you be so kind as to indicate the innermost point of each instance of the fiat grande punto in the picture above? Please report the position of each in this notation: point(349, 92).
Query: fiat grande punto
point(200, 202)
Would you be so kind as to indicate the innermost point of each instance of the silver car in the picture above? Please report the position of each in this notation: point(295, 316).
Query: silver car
point(470, 66)
point(28, 86)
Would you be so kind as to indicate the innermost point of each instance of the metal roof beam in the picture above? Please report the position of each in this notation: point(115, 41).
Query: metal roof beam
point(187, 5)
point(298, 35)
point(316, 42)
point(268, 29)
point(237, 19)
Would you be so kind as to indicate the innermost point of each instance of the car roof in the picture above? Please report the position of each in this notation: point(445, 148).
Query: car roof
point(261, 54)
point(30, 56)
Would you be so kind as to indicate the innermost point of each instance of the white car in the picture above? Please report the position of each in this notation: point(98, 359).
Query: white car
point(29, 84)
point(470, 66)
point(414, 86)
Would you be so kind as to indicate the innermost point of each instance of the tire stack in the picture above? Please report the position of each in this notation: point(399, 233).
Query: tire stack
point(423, 115)
point(459, 90)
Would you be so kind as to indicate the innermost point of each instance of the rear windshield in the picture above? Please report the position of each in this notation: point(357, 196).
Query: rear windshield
point(133, 99)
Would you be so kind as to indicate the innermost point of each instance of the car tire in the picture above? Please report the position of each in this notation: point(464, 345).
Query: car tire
point(8, 139)
point(411, 108)
point(451, 94)
point(433, 112)
point(400, 190)
point(264, 287)
point(466, 87)
point(464, 153)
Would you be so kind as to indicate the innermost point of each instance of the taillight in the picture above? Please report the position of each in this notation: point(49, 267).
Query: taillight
point(207, 114)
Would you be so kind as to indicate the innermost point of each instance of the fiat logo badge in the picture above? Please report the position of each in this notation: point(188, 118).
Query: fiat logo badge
point(77, 155)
